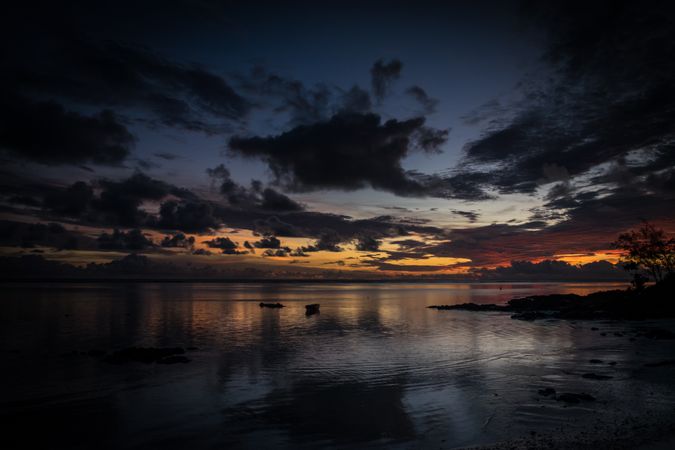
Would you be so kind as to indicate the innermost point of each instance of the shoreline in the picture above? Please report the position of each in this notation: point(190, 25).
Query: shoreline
point(652, 302)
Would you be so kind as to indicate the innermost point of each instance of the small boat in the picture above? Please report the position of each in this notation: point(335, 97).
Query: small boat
point(271, 305)
point(312, 309)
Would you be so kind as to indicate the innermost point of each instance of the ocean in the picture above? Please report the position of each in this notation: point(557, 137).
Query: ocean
point(375, 368)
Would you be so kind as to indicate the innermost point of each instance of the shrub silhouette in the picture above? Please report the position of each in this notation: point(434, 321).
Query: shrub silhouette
point(649, 250)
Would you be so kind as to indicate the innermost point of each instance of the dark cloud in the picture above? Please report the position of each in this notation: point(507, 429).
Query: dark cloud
point(30, 235)
point(279, 252)
point(268, 242)
point(86, 72)
point(120, 240)
point(191, 216)
point(276, 201)
point(274, 226)
point(228, 246)
point(367, 244)
point(298, 253)
point(45, 132)
point(383, 75)
point(315, 224)
point(549, 270)
point(356, 101)
point(166, 156)
point(406, 244)
point(178, 240)
point(201, 252)
point(137, 186)
point(428, 104)
point(304, 105)
point(357, 150)
point(132, 202)
point(459, 184)
point(472, 216)
point(328, 241)
point(586, 230)
point(254, 197)
point(32, 267)
point(119, 201)
point(608, 98)
point(24, 200)
point(73, 201)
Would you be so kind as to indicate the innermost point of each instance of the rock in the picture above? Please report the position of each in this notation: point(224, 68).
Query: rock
point(546, 392)
point(569, 397)
point(595, 376)
point(142, 354)
point(312, 309)
point(271, 305)
point(595, 361)
point(594, 328)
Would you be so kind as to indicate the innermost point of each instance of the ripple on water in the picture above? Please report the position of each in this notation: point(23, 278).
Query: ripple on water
point(374, 368)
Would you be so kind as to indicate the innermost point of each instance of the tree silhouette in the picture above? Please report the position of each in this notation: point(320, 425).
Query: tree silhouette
point(647, 249)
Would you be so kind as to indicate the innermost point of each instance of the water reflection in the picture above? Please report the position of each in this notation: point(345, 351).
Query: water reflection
point(376, 367)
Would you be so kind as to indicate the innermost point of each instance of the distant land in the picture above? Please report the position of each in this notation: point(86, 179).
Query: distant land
point(140, 268)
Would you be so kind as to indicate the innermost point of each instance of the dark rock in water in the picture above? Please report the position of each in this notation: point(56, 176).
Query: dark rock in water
point(612, 363)
point(569, 397)
point(175, 359)
point(312, 309)
point(594, 328)
point(595, 376)
point(664, 363)
point(595, 361)
point(546, 392)
point(271, 305)
point(142, 354)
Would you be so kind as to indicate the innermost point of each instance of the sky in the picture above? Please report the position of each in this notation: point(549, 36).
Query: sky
point(334, 139)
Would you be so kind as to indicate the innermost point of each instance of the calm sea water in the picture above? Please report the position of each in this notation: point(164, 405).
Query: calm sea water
point(375, 368)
